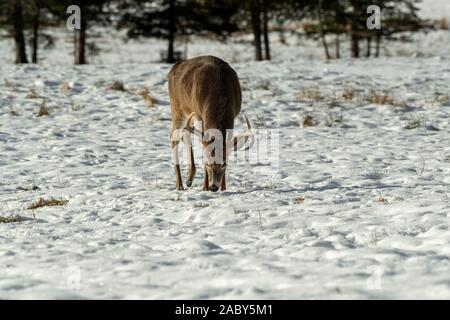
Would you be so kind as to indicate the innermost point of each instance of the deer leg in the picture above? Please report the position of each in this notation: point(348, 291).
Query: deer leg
point(222, 184)
point(205, 180)
point(176, 161)
point(191, 169)
point(190, 158)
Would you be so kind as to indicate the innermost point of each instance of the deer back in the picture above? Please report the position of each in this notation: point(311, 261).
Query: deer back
point(207, 86)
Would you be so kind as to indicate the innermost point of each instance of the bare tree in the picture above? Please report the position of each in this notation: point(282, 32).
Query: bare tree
point(80, 41)
point(321, 29)
point(266, 30)
point(35, 30)
point(18, 28)
point(255, 12)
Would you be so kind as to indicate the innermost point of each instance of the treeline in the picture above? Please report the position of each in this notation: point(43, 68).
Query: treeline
point(27, 20)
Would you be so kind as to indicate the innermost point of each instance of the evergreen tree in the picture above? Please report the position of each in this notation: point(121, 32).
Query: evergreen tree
point(350, 17)
point(92, 13)
point(169, 19)
point(12, 17)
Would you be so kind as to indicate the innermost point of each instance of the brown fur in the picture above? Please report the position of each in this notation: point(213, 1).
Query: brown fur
point(208, 87)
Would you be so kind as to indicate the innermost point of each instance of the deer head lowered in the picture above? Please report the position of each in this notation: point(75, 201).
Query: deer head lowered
point(206, 89)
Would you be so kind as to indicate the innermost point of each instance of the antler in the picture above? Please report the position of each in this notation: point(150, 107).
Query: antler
point(192, 129)
point(250, 134)
point(246, 136)
point(239, 140)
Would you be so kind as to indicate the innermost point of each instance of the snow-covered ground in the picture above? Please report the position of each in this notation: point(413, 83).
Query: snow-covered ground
point(106, 46)
point(434, 9)
point(358, 208)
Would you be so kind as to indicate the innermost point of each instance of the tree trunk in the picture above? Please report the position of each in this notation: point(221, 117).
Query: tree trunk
point(354, 28)
point(266, 31)
point(256, 25)
point(377, 47)
point(172, 30)
point(338, 46)
point(35, 44)
point(369, 43)
point(19, 38)
point(80, 42)
point(354, 45)
point(322, 32)
point(281, 36)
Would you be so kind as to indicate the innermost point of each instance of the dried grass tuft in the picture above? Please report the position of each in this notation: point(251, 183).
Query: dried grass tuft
point(64, 87)
point(14, 219)
point(41, 202)
point(415, 123)
point(442, 24)
point(42, 110)
point(116, 85)
point(348, 94)
point(149, 100)
point(309, 121)
point(9, 84)
point(384, 99)
point(380, 98)
point(442, 98)
point(299, 200)
point(14, 112)
point(309, 95)
point(32, 94)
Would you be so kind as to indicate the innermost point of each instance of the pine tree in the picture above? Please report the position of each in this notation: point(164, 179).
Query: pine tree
point(169, 19)
point(350, 17)
point(92, 13)
point(12, 17)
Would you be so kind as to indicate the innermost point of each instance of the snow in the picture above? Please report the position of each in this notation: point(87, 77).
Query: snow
point(434, 9)
point(357, 207)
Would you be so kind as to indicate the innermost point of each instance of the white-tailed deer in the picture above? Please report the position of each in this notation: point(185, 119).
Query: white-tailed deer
point(205, 89)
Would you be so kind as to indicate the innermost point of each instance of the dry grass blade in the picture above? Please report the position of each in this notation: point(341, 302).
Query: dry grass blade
point(348, 94)
point(423, 166)
point(309, 121)
point(261, 220)
point(116, 85)
point(149, 100)
point(42, 110)
point(14, 112)
point(299, 200)
point(414, 123)
point(200, 205)
point(442, 24)
point(32, 94)
point(309, 95)
point(381, 199)
point(64, 87)
point(41, 202)
point(384, 99)
point(442, 98)
point(333, 119)
point(8, 84)
point(15, 219)
point(259, 121)
point(380, 98)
